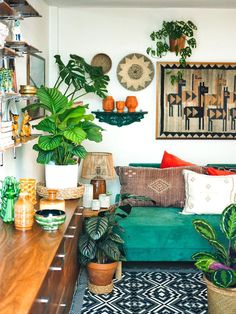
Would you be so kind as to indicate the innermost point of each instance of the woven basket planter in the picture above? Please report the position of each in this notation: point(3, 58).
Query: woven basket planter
point(66, 194)
point(220, 300)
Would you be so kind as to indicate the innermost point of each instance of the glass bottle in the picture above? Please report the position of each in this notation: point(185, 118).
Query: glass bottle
point(24, 212)
point(52, 202)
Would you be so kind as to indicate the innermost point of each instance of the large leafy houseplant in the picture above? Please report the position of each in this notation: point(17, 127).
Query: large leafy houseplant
point(173, 31)
point(219, 267)
point(67, 124)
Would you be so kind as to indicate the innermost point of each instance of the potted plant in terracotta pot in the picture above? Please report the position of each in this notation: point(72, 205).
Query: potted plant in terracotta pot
point(174, 36)
point(67, 123)
point(219, 268)
point(100, 249)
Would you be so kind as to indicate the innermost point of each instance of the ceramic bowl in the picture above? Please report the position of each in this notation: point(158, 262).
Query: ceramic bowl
point(50, 219)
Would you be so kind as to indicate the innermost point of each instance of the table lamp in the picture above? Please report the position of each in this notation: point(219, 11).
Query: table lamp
point(98, 167)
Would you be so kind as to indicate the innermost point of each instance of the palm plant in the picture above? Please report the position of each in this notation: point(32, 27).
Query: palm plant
point(220, 266)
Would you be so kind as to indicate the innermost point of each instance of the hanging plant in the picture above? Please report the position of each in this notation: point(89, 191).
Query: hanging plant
point(174, 36)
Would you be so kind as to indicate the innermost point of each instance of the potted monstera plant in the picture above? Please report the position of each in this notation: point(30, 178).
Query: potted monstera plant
point(67, 124)
point(174, 36)
point(219, 267)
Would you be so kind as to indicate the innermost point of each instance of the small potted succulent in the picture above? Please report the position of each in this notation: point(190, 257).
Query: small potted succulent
point(174, 36)
point(219, 267)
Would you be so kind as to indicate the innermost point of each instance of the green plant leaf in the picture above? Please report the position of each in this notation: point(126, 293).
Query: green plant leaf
point(205, 229)
point(223, 278)
point(83, 260)
point(36, 106)
point(116, 238)
point(77, 112)
point(228, 222)
point(44, 157)
point(204, 263)
point(93, 131)
point(75, 134)
point(219, 249)
point(111, 249)
point(79, 151)
point(49, 142)
point(96, 227)
point(199, 255)
point(53, 98)
point(46, 125)
point(87, 246)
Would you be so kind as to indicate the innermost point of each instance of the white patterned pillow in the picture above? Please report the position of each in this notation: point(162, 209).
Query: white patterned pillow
point(206, 194)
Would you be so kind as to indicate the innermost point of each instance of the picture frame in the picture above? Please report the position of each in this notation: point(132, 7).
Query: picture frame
point(202, 105)
point(36, 77)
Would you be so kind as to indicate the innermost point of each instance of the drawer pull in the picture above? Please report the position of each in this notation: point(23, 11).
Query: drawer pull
point(42, 300)
point(63, 305)
point(55, 268)
point(78, 214)
point(61, 255)
point(69, 236)
point(72, 227)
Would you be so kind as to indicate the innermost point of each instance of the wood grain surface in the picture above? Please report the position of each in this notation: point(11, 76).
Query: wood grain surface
point(25, 257)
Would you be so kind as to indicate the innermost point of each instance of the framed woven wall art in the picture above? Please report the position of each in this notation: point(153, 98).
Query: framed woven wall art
point(200, 106)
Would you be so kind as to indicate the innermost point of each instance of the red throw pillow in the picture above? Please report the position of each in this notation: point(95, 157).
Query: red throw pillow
point(171, 161)
point(218, 172)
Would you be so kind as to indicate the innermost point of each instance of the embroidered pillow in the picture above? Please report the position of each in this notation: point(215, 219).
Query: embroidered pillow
point(208, 194)
point(169, 160)
point(164, 186)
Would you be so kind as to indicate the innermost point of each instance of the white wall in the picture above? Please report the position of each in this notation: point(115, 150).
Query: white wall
point(35, 32)
point(118, 32)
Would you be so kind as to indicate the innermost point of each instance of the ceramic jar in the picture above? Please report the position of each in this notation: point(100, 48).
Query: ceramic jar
point(120, 105)
point(88, 195)
point(24, 212)
point(52, 202)
point(131, 103)
point(108, 104)
point(28, 185)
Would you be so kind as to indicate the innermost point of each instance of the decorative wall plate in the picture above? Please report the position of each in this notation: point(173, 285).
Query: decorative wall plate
point(135, 72)
point(102, 60)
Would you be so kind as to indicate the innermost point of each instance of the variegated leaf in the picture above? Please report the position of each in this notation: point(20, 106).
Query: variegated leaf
point(228, 222)
point(96, 227)
point(204, 228)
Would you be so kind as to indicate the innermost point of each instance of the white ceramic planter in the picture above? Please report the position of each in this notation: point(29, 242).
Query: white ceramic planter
point(61, 177)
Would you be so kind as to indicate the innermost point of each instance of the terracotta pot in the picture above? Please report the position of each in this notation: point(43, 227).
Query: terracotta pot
point(101, 274)
point(131, 103)
point(108, 104)
point(120, 105)
point(179, 42)
point(220, 300)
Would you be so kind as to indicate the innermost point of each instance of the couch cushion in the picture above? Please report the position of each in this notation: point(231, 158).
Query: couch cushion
point(164, 186)
point(163, 234)
point(169, 160)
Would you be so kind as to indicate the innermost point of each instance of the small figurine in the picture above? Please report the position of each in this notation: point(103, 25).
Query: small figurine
point(9, 193)
point(15, 126)
point(25, 125)
point(17, 36)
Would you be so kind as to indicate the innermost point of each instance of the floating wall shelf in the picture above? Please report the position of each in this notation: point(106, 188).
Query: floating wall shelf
point(119, 119)
point(16, 9)
point(21, 47)
point(7, 52)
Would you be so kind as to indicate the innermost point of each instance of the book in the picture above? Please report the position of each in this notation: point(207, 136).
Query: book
point(5, 124)
point(6, 135)
point(5, 130)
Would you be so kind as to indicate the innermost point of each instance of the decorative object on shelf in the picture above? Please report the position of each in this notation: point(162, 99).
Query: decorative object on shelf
point(27, 90)
point(61, 176)
point(24, 212)
point(135, 72)
point(88, 196)
point(6, 134)
point(66, 194)
point(218, 265)
point(50, 219)
point(131, 103)
point(177, 32)
point(95, 205)
point(108, 104)
point(52, 202)
point(67, 126)
point(104, 200)
point(6, 81)
point(9, 192)
point(3, 34)
point(25, 125)
point(98, 166)
point(120, 106)
point(15, 126)
point(28, 185)
point(102, 60)
point(119, 119)
point(202, 104)
point(16, 31)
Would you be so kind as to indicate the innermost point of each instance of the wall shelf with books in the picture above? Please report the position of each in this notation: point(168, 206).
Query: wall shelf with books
point(21, 47)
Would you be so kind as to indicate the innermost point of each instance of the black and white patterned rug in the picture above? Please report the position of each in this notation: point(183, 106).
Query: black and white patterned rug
point(150, 293)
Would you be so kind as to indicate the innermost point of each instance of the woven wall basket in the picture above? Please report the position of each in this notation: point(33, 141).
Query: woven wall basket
point(66, 194)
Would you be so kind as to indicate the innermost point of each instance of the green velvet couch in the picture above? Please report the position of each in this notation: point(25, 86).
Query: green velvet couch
point(163, 234)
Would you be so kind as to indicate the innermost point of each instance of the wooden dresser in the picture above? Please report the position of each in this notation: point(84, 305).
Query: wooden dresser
point(39, 269)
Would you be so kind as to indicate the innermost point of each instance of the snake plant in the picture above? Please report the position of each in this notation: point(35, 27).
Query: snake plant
point(220, 266)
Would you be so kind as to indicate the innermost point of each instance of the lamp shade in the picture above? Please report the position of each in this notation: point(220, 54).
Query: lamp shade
point(98, 164)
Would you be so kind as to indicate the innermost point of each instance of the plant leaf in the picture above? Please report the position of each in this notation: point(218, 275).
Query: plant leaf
point(204, 228)
point(53, 98)
point(204, 263)
point(76, 135)
point(223, 278)
point(49, 142)
point(228, 222)
point(219, 248)
point(198, 255)
point(44, 157)
point(46, 125)
point(96, 227)
point(87, 246)
point(79, 151)
point(111, 249)
point(116, 238)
